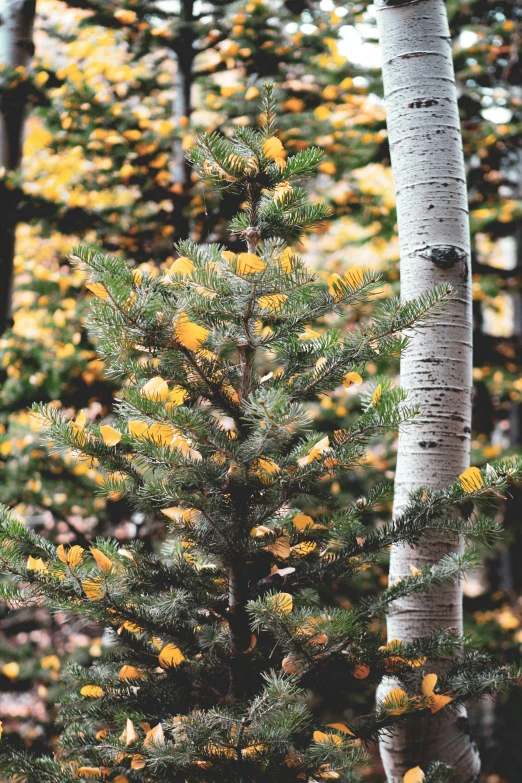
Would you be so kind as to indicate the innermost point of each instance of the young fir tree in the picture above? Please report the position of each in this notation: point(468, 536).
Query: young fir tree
point(216, 638)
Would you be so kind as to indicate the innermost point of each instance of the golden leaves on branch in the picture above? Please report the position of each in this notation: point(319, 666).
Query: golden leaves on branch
point(102, 561)
point(189, 334)
point(352, 379)
point(315, 452)
point(71, 557)
point(342, 728)
point(377, 394)
point(98, 289)
point(281, 603)
point(128, 673)
point(110, 436)
point(437, 701)
point(170, 655)
point(156, 389)
point(92, 691)
point(11, 670)
point(414, 775)
point(129, 734)
point(396, 702)
point(471, 480)
point(182, 266)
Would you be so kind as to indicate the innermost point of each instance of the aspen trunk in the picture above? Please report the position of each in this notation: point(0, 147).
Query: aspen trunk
point(430, 183)
point(16, 49)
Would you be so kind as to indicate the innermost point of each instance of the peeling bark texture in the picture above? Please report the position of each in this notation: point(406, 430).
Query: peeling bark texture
point(16, 48)
point(430, 183)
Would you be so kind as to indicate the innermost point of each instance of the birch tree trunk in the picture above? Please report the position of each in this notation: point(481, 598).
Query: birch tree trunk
point(430, 183)
point(16, 49)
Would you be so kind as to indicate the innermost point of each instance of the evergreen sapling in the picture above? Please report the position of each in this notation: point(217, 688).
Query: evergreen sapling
point(215, 640)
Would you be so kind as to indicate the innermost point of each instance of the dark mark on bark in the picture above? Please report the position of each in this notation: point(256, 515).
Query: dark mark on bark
point(423, 103)
point(428, 444)
point(443, 256)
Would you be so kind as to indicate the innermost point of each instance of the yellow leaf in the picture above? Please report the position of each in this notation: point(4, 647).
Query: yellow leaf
point(281, 547)
point(138, 762)
point(175, 513)
point(75, 555)
point(327, 739)
point(428, 684)
point(102, 561)
point(291, 665)
point(177, 395)
point(129, 672)
point(309, 334)
point(251, 94)
point(60, 551)
point(438, 701)
point(302, 521)
point(376, 396)
point(315, 452)
point(471, 480)
point(129, 734)
point(304, 548)
point(182, 266)
point(51, 662)
point(228, 255)
point(155, 736)
point(189, 334)
point(11, 670)
point(354, 277)
point(266, 468)
point(94, 589)
point(156, 389)
point(273, 302)
point(248, 262)
point(110, 436)
point(1, 729)
point(352, 379)
point(125, 16)
point(396, 702)
point(286, 260)
point(281, 603)
point(161, 434)
point(415, 571)
point(92, 691)
point(414, 775)
point(36, 564)
point(89, 772)
point(98, 289)
point(272, 148)
point(137, 428)
point(170, 656)
point(341, 727)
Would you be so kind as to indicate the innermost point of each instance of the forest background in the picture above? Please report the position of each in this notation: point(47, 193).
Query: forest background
point(113, 96)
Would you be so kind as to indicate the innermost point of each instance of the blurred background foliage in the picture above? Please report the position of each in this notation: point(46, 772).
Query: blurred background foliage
point(114, 95)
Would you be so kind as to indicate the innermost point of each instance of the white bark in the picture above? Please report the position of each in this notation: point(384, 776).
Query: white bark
point(428, 168)
point(16, 48)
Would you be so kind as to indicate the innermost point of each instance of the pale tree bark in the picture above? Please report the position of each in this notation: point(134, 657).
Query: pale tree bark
point(430, 183)
point(16, 49)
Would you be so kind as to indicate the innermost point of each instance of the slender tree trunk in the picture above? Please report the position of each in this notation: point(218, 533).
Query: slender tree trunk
point(430, 182)
point(16, 49)
point(184, 52)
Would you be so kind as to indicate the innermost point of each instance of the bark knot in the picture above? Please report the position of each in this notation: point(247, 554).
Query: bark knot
point(443, 256)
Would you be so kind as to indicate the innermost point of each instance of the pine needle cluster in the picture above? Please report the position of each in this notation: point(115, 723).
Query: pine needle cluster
point(215, 639)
